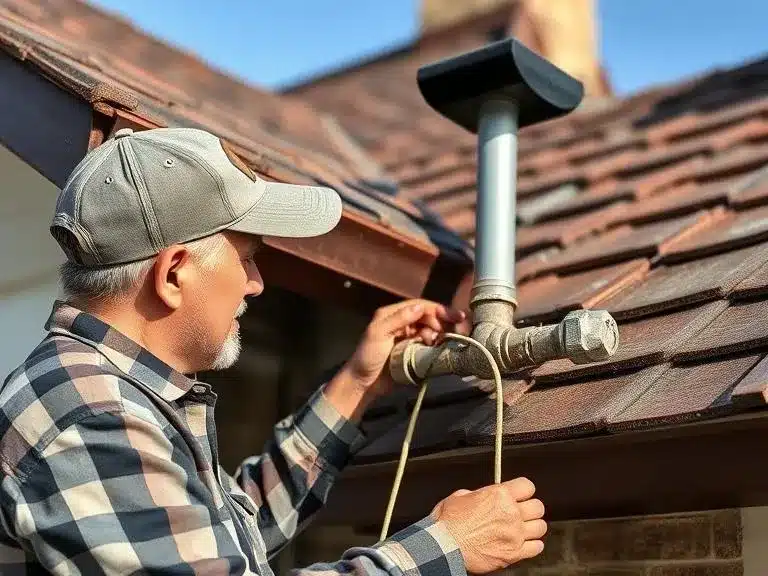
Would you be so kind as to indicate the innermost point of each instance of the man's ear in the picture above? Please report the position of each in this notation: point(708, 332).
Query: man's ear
point(171, 272)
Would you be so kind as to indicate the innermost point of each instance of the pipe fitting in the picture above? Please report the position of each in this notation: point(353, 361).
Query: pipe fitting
point(589, 336)
point(583, 336)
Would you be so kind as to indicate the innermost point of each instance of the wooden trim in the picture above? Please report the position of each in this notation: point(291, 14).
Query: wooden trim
point(706, 465)
point(314, 281)
point(46, 126)
point(357, 250)
point(124, 119)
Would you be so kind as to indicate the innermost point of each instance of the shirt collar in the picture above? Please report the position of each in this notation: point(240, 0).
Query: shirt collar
point(128, 356)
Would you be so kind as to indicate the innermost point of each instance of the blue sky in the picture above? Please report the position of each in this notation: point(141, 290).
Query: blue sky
point(271, 43)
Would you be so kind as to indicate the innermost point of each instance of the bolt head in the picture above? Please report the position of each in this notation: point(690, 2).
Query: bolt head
point(590, 336)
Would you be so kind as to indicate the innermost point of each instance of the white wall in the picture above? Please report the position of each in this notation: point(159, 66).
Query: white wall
point(28, 258)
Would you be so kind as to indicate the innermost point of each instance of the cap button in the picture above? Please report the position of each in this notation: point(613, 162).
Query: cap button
point(123, 132)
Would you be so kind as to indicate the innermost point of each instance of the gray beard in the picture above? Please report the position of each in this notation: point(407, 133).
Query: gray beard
point(230, 349)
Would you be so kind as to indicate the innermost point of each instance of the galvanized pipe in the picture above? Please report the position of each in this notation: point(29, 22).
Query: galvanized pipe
point(583, 336)
point(496, 196)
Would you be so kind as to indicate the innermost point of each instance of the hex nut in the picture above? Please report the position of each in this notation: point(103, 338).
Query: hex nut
point(589, 336)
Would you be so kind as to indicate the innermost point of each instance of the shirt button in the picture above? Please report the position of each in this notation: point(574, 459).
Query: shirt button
point(198, 389)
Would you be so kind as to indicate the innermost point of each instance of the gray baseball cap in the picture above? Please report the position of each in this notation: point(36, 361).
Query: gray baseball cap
point(140, 192)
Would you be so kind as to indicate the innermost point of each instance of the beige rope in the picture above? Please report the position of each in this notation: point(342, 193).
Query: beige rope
point(412, 425)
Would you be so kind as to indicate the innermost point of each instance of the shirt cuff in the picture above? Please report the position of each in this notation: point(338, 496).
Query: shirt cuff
point(335, 437)
point(425, 548)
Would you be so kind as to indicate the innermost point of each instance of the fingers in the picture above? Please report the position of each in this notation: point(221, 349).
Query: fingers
point(428, 336)
point(464, 327)
point(520, 489)
point(386, 311)
point(397, 322)
point(531, 509)
point(534, 529)
point(531, 548)
point(449, 315)
point(397, 319)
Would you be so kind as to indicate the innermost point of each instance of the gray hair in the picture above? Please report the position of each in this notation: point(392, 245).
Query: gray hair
point(91, 284)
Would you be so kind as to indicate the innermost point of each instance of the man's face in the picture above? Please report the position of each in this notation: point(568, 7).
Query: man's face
point(218, 298)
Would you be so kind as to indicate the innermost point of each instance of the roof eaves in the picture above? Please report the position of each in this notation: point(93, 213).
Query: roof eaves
point(51, 147)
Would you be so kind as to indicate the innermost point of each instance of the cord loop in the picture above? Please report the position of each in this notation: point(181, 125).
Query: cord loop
point(414, 416)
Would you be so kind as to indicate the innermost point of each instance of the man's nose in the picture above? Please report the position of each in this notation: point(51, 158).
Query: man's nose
point(255, 285)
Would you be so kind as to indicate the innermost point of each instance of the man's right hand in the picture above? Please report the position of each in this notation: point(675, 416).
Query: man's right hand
point(494, 526)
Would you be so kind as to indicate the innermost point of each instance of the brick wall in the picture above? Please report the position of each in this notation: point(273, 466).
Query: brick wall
point(702, 544)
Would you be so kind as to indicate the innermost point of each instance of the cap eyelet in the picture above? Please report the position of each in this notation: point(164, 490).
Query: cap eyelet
point(108, 180)
point(168, 162)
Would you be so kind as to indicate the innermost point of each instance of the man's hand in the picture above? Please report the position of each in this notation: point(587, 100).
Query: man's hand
point(494, 526)
point(409, 319)
point(365, 376)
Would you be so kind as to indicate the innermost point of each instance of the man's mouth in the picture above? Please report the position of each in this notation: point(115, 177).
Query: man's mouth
point(239, 312)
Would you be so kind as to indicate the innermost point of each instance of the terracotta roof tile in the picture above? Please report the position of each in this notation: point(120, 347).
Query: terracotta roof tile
point(565, 230)
point(679, 285)
point(528, 266)
point(753, 389)
point(663, 156)
point(623, 243)
point(432, 167)
point(643, 342)
point(650, 182)
point(551, 179)
point(751, 190)
point(677, 201)
point(732, 332)
point(756, 284)
point(461, 202)
point(692, 125)
point(547, 205)
point(729, 230)
point(614, 142)
point(551, 411)
point(755, 196)
point(738, 160)
point(547, 298)
point(686, 393)
point(459, 180)
point(608, 191)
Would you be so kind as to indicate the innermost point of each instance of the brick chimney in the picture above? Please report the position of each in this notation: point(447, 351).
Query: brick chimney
point(563, 31)
point(441, 13)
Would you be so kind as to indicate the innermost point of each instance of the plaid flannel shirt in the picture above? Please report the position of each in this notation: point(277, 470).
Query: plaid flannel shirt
point(110, 466)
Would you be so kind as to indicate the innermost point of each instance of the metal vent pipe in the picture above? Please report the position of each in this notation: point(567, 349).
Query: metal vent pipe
point(496, 199)
point(494, 91)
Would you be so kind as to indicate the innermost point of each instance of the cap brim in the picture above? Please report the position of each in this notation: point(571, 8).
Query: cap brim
point(292, 211)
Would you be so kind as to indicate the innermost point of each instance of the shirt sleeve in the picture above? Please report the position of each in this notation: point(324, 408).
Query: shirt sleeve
point(111, 494)
point(422, 549)
point(291, 480)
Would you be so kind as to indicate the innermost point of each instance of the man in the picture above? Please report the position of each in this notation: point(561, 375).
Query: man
point(107, 440)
